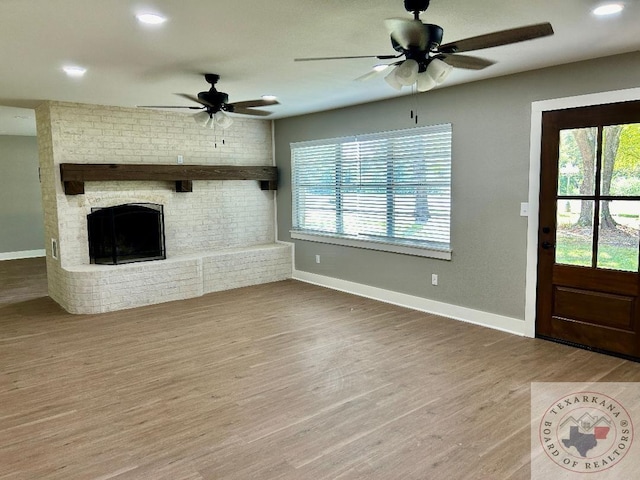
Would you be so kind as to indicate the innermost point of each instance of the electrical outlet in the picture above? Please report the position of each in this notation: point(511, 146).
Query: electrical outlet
point(317, 258)
point(434, 279)
point(180, 159)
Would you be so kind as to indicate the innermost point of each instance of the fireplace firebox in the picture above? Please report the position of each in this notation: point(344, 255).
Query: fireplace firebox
point(128, 233)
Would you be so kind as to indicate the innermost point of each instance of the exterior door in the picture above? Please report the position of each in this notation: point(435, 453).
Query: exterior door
point(588, 255)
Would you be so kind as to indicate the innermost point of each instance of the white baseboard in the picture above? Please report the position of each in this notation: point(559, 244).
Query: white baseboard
point(469, 315)
point(23, 254)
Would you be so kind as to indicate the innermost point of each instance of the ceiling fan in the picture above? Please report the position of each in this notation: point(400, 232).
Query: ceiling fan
point(427, 61)
point(214, 104)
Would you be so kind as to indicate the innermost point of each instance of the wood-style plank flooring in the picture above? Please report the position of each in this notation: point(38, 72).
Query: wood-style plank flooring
point(279, 381)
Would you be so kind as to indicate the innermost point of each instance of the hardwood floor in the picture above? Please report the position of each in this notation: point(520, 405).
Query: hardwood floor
point(22, 280)
point(278, 381)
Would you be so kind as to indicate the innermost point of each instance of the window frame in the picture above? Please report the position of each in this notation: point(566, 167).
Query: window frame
point(394, 215)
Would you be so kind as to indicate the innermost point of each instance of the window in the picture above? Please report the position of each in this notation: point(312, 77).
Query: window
point(598, 197)
point(386, 191)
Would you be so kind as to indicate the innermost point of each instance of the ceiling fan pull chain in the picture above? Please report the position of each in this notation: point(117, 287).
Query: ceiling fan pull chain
point(414, 109)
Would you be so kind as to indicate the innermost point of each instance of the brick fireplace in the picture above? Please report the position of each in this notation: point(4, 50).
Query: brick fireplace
point(219, 236)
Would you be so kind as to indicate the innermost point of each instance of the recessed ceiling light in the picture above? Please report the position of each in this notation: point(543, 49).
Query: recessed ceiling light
point(151, 18)
point(381, 67)
point(269, 98)
point(74, 71)
point(608, 9)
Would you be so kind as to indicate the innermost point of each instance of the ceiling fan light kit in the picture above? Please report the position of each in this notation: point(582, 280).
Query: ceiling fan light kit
point(425, 82)
point(427, 62)
point(392, 80)
point(222, 119)
point(408, 73)
point(438, 70)
point(201, 118)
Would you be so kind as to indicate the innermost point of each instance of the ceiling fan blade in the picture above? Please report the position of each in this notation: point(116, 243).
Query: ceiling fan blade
point(195, 99)
point(250, 111)
point(467, 61)
point(254, 103)
point(370, 74)
point(408, 33)
point(496, 39)
point(376, 71)
point(169, 106)
point(313, 59)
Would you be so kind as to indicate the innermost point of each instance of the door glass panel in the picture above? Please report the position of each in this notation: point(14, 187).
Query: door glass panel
point(621, 160)
point(574, 232)
point(618, 235)
point(577, 161)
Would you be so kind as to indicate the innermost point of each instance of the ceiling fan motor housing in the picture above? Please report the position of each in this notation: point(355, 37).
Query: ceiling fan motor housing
point(434, 35)
point(434, 39)
point(216, 100)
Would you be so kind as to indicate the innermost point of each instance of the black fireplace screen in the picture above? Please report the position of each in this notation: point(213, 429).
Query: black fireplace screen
point(126, 233)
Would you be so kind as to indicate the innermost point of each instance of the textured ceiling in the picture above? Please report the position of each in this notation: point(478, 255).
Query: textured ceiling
point(252, 44)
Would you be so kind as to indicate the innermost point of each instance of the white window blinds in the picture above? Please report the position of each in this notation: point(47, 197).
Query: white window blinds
point(388, 188)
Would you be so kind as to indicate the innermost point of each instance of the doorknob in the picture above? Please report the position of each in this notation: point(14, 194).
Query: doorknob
point(547, 245)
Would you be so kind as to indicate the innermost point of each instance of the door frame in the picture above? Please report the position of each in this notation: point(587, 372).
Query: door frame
point(531, 280)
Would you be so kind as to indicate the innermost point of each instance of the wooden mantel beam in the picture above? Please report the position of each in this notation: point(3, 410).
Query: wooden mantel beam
point(73, 175)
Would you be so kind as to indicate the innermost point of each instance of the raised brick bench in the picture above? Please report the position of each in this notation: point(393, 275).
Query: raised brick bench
point(92, 289)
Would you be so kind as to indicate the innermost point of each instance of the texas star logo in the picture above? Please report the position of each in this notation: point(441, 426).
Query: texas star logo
point(586, 432)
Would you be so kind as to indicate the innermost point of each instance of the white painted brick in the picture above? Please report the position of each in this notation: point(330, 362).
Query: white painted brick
point(211, 234)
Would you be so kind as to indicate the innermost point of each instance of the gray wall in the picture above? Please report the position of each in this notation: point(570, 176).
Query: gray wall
point(490, 172)
point(21, 219)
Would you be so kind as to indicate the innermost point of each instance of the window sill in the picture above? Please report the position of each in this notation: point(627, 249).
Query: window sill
point(371, 245)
